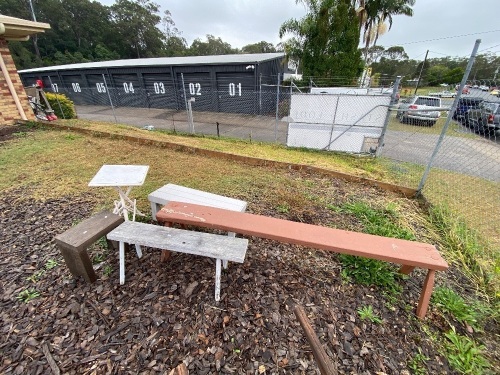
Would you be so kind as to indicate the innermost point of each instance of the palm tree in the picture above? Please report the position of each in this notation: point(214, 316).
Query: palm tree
point(373, 15)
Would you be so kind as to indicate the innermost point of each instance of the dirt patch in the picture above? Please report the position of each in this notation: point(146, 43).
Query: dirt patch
point(11, 131)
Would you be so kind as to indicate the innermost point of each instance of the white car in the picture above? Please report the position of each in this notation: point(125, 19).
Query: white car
point(443, 94)
point(484, 88)
point(419, 109)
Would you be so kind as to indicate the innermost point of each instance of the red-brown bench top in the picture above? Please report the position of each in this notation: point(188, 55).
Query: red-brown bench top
point(408, 253)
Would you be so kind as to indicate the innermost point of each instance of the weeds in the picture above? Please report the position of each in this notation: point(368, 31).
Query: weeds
point(27, 295)
point(380, 222)
point(51, 263)
point(98, 258)
point(108, 270)
point(370, 272)
point(283, 208)
point(417, 363)
point(463, 245)
point(450, 302)
point(37, 276)
point(464, 355)
point(366, 313)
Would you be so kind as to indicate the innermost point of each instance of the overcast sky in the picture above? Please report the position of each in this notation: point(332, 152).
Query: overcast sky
point(444, 27)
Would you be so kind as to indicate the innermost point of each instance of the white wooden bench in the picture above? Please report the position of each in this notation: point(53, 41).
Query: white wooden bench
point(206, 244)
point(177, 193)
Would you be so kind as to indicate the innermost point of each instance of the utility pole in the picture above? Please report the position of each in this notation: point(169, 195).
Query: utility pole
point(421, 69)
point(35, 38)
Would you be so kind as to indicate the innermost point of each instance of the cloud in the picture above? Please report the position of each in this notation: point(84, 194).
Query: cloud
point(438, 23)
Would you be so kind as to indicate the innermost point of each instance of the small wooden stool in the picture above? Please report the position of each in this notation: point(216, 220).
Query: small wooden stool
point(74, 242)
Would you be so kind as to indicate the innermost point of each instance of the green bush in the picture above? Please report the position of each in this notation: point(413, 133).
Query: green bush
point(60, 102)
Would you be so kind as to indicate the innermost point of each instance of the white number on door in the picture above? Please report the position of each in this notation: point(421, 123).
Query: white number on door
point(159, 87)
point(100, 87)
point(195, 89)
point(128, 87)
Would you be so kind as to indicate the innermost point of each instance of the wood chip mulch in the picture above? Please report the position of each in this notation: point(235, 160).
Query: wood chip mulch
point(165, 314)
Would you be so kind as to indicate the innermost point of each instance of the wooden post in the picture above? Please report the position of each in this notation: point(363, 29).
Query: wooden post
point(326, 367)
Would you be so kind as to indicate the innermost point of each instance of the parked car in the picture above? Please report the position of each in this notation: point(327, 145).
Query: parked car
point(463, 106)
point(495, 92)
point(418, 109)
point(443, 94)
point(486, 118)
point(484, 88)
point(465, 90)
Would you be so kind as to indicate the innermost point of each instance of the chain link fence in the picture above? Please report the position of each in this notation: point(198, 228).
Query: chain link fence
point(450, 152)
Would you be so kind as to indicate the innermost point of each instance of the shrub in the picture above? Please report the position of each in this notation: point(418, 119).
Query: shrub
point(60, 102)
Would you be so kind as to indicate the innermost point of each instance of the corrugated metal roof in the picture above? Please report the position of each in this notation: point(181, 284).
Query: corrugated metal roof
point(254, 58)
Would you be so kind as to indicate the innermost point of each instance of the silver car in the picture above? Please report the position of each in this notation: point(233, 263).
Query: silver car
point(419, 109)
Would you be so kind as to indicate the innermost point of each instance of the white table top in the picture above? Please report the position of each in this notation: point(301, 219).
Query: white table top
point(120, 175)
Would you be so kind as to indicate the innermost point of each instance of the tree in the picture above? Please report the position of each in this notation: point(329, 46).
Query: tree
point(326, 41)
point(135, 22)
point(396, 53)
point(261, 47)
point(373, 54)
point(436, 74)
point(213, 46)
point(373, 15)
point(175, 44)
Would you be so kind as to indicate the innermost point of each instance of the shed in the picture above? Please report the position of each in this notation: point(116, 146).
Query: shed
point(219, 83)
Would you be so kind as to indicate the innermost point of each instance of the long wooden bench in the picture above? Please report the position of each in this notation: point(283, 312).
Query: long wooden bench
point(408, 254)
point(221, 248)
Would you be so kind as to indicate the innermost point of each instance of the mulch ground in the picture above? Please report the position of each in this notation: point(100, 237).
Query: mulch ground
point(165, 313)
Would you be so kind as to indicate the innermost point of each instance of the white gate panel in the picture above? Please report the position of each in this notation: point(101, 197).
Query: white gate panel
point(313, 109)
point(336, 122)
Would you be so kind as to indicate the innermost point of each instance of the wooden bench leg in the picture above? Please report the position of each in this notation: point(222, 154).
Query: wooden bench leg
point(406, 270)
point(425, 295)
point(165, 254)
point(154, 210)
point(225, 262)
point(138, 251)
point(122, 262)
point(79, 263)
point(217, 279)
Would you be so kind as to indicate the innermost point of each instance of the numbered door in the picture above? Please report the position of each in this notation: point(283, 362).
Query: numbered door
point(128, 90)
point(236, 93)
point(99, 89)
point(77, 89)
point(198, 87)
point(27, 79)
point(160, 91)
point(51, 83)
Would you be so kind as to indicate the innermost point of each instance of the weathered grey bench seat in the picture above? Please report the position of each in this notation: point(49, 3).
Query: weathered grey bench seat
point(205, 244)
point(73, 243)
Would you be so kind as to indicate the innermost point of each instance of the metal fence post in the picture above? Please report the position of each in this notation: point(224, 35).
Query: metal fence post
point(388, 116)
point(277, 109)
point(450, 114)
point(109, 96)
point(57, 97)
point(185, 98)
point(260, 94)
